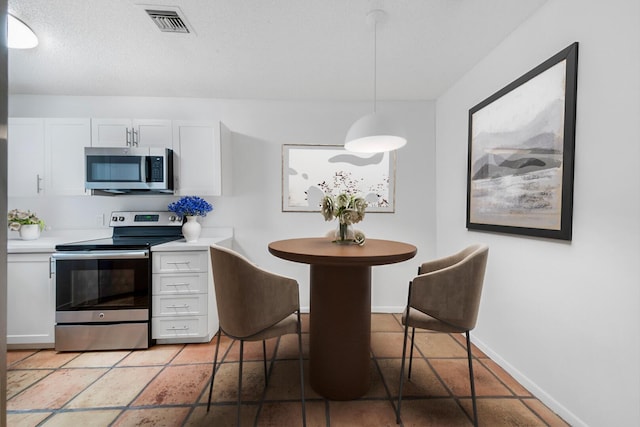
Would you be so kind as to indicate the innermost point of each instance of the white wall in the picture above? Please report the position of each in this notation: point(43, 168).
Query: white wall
point(254, 207)
point(563, 317)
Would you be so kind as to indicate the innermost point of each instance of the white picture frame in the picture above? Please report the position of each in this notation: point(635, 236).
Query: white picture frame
point(311, 171)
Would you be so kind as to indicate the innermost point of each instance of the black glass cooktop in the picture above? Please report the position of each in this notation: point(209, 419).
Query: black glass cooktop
point(126, 238)
point(116, 243)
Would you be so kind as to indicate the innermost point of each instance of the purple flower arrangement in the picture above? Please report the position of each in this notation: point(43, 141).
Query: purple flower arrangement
point(190, 206)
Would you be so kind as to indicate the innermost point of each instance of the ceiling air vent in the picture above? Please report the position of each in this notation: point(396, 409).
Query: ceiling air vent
point(168, 21)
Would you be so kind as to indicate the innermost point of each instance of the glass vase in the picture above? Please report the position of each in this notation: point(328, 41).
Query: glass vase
point(344, 234)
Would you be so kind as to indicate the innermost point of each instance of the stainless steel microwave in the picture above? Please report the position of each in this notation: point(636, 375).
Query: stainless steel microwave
point(122, 170)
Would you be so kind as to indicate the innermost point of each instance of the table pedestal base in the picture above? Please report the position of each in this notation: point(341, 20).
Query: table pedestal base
point(340, 331)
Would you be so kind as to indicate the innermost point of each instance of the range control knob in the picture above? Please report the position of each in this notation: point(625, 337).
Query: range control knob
point(114, 218)
point(120, 218)
point(172, 218)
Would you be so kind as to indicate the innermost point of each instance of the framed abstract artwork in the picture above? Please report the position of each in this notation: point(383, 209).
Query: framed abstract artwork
point(521, 153)
point(311, 171)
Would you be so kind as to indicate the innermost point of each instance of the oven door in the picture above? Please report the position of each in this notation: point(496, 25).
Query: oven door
point(91, 283)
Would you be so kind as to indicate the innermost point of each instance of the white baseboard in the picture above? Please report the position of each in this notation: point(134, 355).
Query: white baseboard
point(538, 392)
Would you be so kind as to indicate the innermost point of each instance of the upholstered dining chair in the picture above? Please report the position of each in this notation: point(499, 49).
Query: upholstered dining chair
point(253, 305)
point(445, 297)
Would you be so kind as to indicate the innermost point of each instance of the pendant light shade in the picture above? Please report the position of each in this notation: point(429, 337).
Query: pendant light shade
point(376, 132)
point(19, 35)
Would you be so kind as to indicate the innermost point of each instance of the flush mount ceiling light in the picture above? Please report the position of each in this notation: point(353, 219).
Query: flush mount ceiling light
point(376, 132)
point(19, 35)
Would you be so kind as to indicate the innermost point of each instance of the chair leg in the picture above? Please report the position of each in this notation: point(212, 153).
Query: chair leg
point(240, 380)
point(473, 388)
point(413, 334)
point(264, 359)
point(213, 374)
point(404, 353)
point(304, 414)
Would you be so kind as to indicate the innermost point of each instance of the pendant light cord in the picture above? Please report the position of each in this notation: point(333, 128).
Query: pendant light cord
point(375, 63)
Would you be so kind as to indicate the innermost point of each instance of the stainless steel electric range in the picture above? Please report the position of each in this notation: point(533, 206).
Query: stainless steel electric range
point(103, 286)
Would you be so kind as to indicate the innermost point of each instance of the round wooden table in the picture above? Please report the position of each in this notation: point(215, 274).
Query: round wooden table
point(340, 312)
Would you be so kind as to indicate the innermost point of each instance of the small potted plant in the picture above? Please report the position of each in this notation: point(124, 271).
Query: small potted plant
point(190, 208)
point(26, 223)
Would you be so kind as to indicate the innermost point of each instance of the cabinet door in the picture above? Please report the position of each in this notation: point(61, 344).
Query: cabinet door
point(128, 132)
point(30, 300)
point(65, 140)
point(198, 168)
point(180, 262)
point(25, 154)
point(153, 133)
point(111, 132)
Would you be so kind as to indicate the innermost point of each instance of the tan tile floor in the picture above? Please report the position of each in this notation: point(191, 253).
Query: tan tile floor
point(167, 385)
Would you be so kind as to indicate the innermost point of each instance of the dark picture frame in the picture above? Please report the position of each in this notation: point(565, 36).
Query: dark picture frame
point(521, 153)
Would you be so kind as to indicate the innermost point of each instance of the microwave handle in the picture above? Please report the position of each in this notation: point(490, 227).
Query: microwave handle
point(146, 160)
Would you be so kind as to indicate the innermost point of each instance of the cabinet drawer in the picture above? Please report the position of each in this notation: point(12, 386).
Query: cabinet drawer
point(176, 284)
point(178, 327)
point(188, 305)
point(173, 262)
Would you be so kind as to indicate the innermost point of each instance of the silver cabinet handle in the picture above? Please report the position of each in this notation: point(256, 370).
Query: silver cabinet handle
point(135, 137)
point(52, 266)
point(177, 284)
point(174, 328)
point(128, 137)
point(38, 181)
point(179, 266)
point(178, 306)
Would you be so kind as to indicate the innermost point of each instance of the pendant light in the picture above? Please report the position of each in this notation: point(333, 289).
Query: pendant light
point(19, 35)
point(376, 132)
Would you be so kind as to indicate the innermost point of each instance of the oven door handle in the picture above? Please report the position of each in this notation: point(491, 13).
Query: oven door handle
point(89, 255)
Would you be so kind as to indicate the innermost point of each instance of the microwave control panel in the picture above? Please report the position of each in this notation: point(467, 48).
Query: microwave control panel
point(156, 168)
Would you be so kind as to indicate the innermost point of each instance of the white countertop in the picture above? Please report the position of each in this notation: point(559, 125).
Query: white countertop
point(210, 236)
point(202, 244)
point(49, 239)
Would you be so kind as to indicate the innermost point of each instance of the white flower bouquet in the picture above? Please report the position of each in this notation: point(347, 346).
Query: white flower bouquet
point(17, 218)
point(348, 209)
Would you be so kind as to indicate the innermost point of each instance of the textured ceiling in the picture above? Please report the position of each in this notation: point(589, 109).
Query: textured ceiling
point(258, 49)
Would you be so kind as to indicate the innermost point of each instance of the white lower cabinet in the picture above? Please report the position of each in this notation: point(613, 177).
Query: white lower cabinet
point(30, 301)
point(173, 330)
point(182, 302)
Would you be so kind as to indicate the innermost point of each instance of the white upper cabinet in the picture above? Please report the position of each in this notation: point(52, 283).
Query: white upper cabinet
point(198, 168)
point(46, 156)
point(65, 140)
point(25, 154)
point(128, 132)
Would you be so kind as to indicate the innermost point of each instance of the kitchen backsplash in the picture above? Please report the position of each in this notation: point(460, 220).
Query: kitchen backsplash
point(90, 212)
